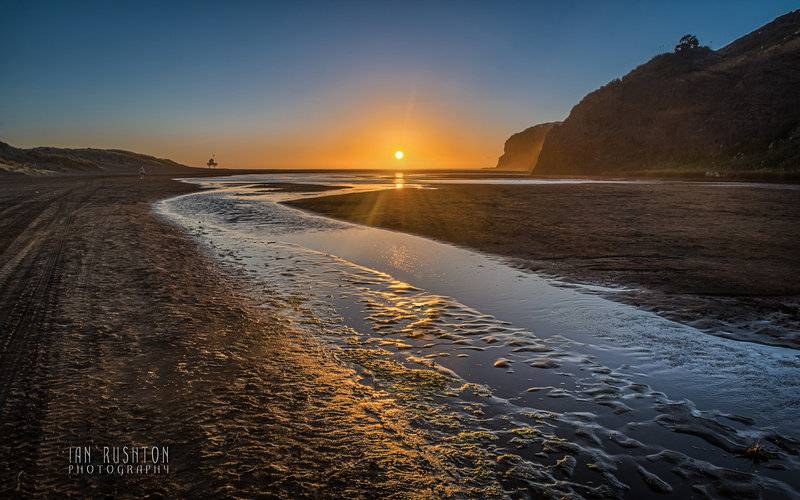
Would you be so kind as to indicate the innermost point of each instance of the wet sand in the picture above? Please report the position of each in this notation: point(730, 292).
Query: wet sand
point(117, 331)
point(721, 258)
point(550, 408)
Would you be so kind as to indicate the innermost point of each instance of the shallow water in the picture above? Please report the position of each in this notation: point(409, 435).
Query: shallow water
point(571, 392)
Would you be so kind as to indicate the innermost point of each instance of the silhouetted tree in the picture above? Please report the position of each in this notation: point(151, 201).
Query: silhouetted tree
point(687, 42)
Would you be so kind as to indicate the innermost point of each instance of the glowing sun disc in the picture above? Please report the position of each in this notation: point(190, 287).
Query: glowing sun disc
point(399, 155)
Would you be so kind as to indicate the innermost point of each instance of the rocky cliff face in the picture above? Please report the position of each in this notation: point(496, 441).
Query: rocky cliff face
point(713, 112)
point(522, 149)
point(38, 161)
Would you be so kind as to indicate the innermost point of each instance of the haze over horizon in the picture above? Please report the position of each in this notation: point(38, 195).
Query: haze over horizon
point(313, 85)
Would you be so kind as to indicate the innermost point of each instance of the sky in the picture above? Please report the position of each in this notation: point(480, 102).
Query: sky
point(333, 84)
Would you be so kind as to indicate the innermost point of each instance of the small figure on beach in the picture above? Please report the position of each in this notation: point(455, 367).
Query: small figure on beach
point(142, 172)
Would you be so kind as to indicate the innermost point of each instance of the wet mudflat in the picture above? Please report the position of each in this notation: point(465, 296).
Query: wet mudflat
point(569, 395)
point(719, 256)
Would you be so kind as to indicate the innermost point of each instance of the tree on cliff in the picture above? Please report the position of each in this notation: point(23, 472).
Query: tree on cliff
point(687, 42)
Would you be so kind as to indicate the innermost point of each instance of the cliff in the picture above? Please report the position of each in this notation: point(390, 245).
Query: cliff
point(46, 160)
point(522, 149)
point(715, 113)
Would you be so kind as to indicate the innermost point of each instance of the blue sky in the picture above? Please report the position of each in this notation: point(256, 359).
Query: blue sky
point(326, 83)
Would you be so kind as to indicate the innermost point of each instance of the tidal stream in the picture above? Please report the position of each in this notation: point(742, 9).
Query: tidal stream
point(565, 391)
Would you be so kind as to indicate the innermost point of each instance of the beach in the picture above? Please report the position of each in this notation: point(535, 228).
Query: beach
point(400, 250)
point(220, 327)
point(119, 331)
point(535, 372)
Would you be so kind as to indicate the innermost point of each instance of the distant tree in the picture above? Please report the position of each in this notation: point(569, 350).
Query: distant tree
point(687, 42)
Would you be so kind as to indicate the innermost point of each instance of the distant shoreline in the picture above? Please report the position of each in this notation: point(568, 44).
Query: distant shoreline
point(499, 174)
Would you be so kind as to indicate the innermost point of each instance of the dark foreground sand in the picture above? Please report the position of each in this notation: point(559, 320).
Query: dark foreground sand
point(721, 258)
point(116, 331)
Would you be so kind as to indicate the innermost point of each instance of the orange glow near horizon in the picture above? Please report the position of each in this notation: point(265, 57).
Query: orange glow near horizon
point(353, 131)
point(379, 133)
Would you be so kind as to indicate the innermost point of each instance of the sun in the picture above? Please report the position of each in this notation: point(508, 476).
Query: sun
point(399, 154)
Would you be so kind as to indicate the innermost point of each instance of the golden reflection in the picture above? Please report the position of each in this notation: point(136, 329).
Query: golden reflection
point(399, 180)
point(400, 257)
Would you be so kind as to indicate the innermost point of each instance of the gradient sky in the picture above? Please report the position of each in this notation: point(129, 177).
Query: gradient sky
point(326, 84)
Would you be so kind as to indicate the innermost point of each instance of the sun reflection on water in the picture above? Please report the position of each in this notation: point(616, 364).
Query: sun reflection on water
point(399, 180)
point(400, 257)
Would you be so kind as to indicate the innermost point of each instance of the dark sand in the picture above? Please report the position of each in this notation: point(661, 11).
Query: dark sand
point(116, 331)
point(722, 258)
